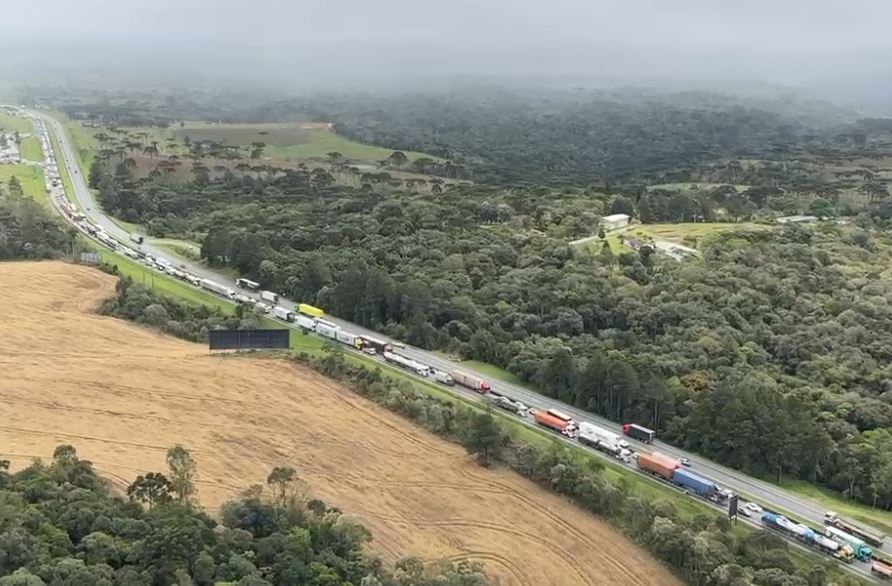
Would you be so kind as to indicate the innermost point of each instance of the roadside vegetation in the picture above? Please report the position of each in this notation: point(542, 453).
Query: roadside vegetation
point(276, 534)
point(27, 230)
point(31, 150)
point(29, 180)
point(10, 123)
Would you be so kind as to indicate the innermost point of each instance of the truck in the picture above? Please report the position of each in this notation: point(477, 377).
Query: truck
point(305, 323)
point(138, 238)
point(327, 329)
point(239, 298)
point(658, 464)
point(442, 377)
point(599, 438)
point(508, 404)
point(470, 381)
point(702, 487)
point(546, 419)
point(872, 537)
point(282, 313)
point(881, 568)
point(215, 287)
point(269, 297)
point(407, 363)
point(638, 432)
point(348, 338)
point(807, 536)
point(379, 345)
point(862, 550)
point(249, 284)
point(309, 310)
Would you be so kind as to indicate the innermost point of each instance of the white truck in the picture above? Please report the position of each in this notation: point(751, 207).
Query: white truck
point(326, 329)
point(269, 297)
point(348, 338)
point(282, 313)
point(443, 377)
point(601, 439)
point(213, 286)
point(138, 238)
point(306, 323)
point(407, 363)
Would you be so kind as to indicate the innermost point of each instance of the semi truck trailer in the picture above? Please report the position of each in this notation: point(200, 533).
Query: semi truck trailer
point(639, 432)
point(862, 550)
point(269, 297)
point(248, 284)
point(282, 313)
point(872, 537)
point(216, 288)
point(307, 309)
point(379, 345)
point(659, 464)
point(546, 419)
point(470, 381)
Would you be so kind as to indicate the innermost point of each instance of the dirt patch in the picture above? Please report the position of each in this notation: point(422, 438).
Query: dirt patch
point(122, 395)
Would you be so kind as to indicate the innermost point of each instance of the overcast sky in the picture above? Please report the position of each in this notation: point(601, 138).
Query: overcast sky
point(794, 42)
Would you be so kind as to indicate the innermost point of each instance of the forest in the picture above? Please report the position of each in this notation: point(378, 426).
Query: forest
point(62, 525)
point(770, 354)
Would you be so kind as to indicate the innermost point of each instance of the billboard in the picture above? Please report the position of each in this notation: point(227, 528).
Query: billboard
point(249, 339)
point(732, 507)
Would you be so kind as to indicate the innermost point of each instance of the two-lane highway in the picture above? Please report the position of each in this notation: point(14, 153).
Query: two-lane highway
point(762, 492)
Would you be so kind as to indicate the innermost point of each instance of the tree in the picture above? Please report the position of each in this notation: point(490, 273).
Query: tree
point(397, 158)
point(622, 205)
point(182, 473)
point(485, 438)
point(153, 488)
point(281, 479)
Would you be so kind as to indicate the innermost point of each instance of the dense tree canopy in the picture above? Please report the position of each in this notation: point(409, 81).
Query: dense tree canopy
point(62, 526)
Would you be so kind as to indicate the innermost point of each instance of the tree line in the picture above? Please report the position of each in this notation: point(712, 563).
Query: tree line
point(62, 525)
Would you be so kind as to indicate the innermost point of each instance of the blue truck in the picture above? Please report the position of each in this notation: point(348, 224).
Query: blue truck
point(702, 487)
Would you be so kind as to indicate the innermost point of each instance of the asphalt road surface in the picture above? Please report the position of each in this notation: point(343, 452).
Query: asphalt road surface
point(766, 494)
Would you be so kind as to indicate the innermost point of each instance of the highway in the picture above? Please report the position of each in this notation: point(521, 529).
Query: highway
point(764, 493)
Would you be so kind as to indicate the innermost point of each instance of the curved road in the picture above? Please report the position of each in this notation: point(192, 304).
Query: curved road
point(768, 495)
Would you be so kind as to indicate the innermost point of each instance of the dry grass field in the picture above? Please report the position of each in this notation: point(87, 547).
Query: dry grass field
point(122, 395)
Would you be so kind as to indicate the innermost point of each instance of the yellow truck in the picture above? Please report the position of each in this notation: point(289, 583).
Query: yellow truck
point(309, 310)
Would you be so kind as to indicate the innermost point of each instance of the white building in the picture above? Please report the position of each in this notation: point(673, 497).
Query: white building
point(614, 221)
point(797, 220)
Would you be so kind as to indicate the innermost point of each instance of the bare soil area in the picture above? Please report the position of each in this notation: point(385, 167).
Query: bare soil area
point(122, 395)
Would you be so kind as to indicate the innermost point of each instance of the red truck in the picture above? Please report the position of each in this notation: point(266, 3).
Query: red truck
point(470, 381)
point(657, 463)
point(563, 427)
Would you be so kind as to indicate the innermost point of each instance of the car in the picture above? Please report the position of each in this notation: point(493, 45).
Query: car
point(398, 345)
point(684, 461)
point(750, 509)
point(370, 351)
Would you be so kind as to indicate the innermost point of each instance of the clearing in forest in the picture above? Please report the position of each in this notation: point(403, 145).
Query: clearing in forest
point(123, 394)
point(290, 141)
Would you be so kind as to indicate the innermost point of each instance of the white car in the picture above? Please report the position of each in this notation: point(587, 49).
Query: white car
point(751, 509)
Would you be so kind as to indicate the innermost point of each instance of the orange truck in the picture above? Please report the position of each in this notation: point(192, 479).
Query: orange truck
point(881, 568)
point(554, 423)
point(659, 464)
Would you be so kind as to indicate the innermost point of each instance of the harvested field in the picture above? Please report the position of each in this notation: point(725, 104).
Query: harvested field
point(122, 395)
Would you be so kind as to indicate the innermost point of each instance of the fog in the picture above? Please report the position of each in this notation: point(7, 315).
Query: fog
point(819, 44)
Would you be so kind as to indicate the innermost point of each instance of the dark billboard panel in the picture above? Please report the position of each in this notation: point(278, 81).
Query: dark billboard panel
point(249, 339)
